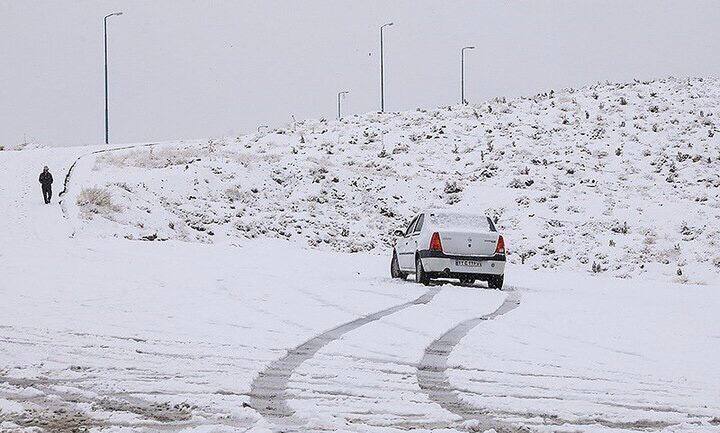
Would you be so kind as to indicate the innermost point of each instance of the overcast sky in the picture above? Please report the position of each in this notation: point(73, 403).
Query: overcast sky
point(191, 69)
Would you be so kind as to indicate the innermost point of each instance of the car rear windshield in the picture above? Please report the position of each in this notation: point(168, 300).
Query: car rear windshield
point(458, 221)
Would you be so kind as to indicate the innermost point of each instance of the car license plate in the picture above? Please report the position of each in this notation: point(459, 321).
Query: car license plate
point(468, 263)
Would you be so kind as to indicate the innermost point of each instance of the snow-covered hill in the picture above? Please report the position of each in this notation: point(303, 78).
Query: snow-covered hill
point(621, 179)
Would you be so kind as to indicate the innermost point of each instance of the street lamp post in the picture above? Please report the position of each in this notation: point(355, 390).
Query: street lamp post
point(107, 128)
point(344, 92)
point(382, 68)
point(462, 74)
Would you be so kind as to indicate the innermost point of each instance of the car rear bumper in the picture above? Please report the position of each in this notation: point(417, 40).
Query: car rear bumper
point(440, 264)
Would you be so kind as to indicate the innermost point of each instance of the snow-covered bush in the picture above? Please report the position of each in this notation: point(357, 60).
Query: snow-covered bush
point(27, 144)
point(452, 187)
point(234, 193)
point(150, 157)
point(96, 201)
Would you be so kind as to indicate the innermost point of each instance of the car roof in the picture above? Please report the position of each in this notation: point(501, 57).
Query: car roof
point(452, 212)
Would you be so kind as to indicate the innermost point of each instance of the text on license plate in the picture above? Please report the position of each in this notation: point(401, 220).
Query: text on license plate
point(468, 263)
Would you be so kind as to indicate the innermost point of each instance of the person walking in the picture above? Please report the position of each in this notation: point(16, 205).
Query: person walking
point(46, 181)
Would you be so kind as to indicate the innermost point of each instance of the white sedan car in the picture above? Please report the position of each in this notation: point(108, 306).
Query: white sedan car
point(445, 244)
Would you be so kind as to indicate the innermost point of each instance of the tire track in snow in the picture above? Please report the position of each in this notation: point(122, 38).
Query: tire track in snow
point(268, 392)
point(433, 379)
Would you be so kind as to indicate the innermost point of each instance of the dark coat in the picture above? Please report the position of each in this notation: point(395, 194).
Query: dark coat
point(46, 178)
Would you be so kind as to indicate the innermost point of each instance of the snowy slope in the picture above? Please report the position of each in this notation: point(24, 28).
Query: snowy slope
point(616, 178)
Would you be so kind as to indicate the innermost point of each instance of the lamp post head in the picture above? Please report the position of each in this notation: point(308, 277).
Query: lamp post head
point(469, 48)
point(386, 25)
point(118, 13)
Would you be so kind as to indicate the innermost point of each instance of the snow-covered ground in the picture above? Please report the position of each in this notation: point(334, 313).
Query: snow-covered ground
point(242, 284)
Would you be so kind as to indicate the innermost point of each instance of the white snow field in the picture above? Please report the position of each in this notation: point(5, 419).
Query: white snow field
point(242, 284)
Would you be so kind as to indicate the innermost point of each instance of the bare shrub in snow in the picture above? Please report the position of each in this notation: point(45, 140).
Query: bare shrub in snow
point(401, 148)
point(96, 201)
point(620, 228)
point(650, 238)
point(526, 254)
point(452, 187)
point(214, 143)
point(452, 199)
point(151, 158)
point(124, 186)
point(234, 193)
point(689, 233)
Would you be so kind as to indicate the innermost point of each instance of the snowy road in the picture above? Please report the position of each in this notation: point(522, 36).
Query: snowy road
point(432, 370)
point(269, 389)
point(131, 336)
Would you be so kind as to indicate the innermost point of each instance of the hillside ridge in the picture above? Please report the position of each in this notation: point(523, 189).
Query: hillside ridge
point(619, 178)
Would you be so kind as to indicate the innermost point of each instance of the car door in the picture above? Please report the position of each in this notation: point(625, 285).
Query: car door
point(404, 248)
point(414, 238)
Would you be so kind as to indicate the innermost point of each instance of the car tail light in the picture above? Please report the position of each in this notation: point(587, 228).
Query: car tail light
point(435, 244)
point(500, 248)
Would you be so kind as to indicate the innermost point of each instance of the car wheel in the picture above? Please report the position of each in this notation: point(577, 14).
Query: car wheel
point(420, 275)
point(395, 271)
point(496, 281)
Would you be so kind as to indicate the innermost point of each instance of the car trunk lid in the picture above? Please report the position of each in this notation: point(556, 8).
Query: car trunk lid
point(468, 243)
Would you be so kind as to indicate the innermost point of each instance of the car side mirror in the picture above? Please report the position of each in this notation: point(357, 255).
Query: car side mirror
point(399, 233)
